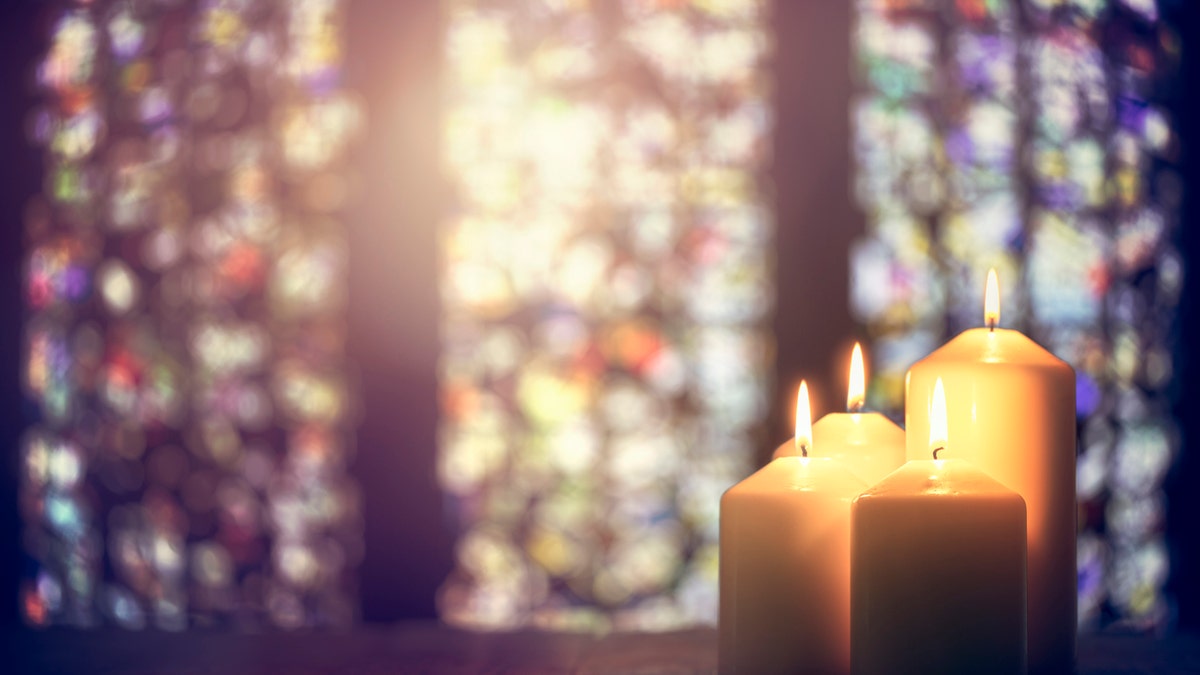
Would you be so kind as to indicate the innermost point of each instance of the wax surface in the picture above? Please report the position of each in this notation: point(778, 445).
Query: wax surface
point(785, 569)
point(938, 573)
point(1011, 412)
point(868, 444)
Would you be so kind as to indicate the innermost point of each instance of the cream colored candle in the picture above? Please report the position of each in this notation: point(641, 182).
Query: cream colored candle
point(785, 564)
point(868, 444)
point(937, 581)
point(1011, 412)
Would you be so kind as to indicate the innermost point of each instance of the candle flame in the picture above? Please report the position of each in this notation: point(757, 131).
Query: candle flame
point(803, 421)
point(991, 300)
point(856, 391)
point(937, 419)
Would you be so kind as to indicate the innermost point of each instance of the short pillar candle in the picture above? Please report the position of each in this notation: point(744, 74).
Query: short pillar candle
point(785, 565)
point(938, 573)
point(868, 444)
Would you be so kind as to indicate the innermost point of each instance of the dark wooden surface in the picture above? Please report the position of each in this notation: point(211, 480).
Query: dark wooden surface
point(428, 648)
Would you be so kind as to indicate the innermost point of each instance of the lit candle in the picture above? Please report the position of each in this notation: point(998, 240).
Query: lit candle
point(1012, 415)
point(868, 444)
point(785, 564)
point(937, 581)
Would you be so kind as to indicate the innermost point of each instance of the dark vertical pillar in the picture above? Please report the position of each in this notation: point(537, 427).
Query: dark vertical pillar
point(1183, 499)
point(817, 219)
point(24, 39)
point(394, 53)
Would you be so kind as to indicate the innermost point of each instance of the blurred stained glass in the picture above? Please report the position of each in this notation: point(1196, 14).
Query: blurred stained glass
point(606, 280)
point(185, 334)
point(1046, 150)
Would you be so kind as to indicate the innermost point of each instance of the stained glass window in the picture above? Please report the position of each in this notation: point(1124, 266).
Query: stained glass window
point(606, 287)
point(185, 286)
point(1034, 137)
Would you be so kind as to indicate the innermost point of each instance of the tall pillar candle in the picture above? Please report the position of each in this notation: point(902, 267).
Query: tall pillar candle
point(1011, 412)
point(937, 573)
point(868, 444)
point(785, 565)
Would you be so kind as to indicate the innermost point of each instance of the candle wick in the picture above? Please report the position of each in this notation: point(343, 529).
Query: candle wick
point(991, 325)
point(855, 407)
point(937, 450)
point(804, 450)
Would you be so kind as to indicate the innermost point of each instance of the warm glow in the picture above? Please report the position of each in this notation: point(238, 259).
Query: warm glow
point(803, 421)
point(937, 419)
point(991, 300)
point(856, 392)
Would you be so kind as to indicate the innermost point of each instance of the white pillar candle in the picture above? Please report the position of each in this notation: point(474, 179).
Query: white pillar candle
point(785, 565)
point(868, 444)
point(937, 582)
point(1011, 413)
